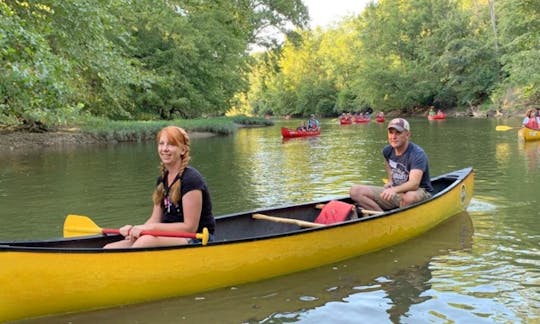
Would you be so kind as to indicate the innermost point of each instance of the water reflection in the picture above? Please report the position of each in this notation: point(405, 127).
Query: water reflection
point(532, 154)
point(312, 140)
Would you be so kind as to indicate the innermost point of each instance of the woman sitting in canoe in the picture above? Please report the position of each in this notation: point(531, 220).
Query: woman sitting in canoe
point(531, 120)
point(181, 198)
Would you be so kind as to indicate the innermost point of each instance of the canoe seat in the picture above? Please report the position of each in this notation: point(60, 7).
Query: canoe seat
point(336, 211)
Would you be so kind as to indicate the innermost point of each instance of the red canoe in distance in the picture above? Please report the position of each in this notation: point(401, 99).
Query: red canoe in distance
point(439, 116)
point(361, 120)
point(290, 133)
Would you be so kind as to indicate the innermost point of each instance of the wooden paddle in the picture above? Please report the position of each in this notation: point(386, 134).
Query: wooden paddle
point(503, 128)
point(77, 225)
point(298, 222)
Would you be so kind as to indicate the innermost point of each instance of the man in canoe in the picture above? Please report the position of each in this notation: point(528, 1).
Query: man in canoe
point(313, 124)
point(407, 168)
point(181, 198)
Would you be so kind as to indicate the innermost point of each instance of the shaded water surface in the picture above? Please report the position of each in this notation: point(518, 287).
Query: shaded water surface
point(482, 266)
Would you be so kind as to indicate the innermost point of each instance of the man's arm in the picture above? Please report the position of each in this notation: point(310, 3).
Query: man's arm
point(415, 177)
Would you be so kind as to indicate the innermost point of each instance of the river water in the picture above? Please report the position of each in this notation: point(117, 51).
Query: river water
point(480, 267)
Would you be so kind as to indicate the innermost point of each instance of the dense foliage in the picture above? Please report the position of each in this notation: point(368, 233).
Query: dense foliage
point(407, 54)
point(68, 60)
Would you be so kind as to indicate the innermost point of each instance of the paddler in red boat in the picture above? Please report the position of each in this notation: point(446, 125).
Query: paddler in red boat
point(313, 124)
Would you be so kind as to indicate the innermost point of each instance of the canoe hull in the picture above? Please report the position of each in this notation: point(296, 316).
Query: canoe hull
point(39, 281)
point(290, 133)
point(358, 120)
point(528, 134)
point(437, 117)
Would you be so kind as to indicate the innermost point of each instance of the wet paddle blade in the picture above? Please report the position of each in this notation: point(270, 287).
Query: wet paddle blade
point(77, 225)
point(504, 128)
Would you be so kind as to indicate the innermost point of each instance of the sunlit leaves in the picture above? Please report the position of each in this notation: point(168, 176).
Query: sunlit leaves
point(123, 59)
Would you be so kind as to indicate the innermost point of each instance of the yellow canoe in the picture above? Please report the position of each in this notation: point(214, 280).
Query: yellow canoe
point(41, 278)
point(528, 134)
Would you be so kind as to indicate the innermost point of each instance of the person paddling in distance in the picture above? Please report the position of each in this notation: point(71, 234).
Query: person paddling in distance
point(181, 198)
point(302, 127)
point(407, 169)
point(531, 119)
point(313, 124)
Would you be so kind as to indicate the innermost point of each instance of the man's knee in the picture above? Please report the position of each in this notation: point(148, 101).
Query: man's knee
point(411, 197)
point(357, 191)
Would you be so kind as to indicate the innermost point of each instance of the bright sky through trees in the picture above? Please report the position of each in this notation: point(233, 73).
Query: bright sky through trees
point(324, 12)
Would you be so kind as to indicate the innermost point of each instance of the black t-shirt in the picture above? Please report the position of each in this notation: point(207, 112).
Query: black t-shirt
point(413, 158)
point(191, 179)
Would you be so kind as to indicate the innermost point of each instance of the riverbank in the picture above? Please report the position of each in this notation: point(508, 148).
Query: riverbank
point(109, 132)
point(24, 141)
point(21, 141)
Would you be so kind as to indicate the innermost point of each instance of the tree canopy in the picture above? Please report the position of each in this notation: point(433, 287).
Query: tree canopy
point(65, 60)
point(130, 59)
point(400, 55)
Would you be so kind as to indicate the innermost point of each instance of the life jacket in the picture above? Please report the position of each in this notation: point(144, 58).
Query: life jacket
point(532, 123)
point(334, 212)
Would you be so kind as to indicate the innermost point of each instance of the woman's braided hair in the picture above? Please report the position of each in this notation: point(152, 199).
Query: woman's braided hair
point(178, 137)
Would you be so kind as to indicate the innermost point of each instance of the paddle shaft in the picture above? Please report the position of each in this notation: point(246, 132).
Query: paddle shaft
point(298, 222)
point(157, 233)
point(78, 225)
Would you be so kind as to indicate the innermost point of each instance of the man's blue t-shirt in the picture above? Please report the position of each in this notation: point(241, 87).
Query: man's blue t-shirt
point(413, 158)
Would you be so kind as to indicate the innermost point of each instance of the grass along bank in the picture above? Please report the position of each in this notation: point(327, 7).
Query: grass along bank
point(107, 131)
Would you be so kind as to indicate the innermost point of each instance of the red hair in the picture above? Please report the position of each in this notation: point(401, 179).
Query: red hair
point(178, 137)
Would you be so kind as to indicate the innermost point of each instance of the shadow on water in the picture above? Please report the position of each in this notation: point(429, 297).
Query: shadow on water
point(395, 275)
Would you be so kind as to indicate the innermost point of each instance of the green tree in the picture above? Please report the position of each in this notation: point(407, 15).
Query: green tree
point(424, 52)
point(33, 78)
point(120, 59)
point(519, 31)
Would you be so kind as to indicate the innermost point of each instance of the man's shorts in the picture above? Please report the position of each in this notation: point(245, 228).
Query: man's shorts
point(376, 191)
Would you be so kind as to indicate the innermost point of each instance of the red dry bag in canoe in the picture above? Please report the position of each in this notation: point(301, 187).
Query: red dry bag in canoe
point(334, 212)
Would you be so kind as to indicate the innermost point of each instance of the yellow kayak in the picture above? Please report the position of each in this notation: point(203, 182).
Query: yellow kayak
point(71, 274)
point(528, 134)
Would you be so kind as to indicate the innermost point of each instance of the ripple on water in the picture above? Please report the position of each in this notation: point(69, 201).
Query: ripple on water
point(490, 286)
point(481, 204)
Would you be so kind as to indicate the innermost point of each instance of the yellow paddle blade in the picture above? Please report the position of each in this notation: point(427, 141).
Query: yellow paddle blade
point(503, 128)
point(77, 225)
